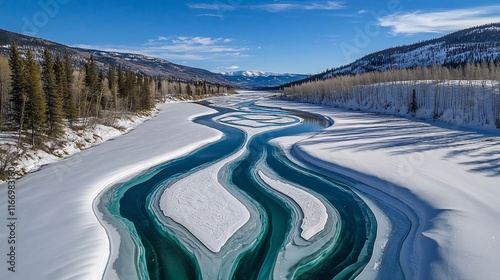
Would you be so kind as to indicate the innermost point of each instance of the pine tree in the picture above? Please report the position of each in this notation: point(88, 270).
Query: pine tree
point(159, 87)
point(131, 90)
point(53, 95)
point(122, 91)
point(93, 88)
point(18, 86)
point(35, 102)
point(69, 106)
point(146, 99)
point(4, 88)
point(413, 102)
point(112, 85)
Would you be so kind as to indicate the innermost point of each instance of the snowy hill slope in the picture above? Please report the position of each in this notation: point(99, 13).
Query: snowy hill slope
point(469, 45)
point(144, 65)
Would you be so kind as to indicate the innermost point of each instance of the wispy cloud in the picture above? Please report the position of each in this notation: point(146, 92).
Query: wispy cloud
point(181, 48)
point(440, 21)
point(212, 6)
point(273, 7)
point(282, 7)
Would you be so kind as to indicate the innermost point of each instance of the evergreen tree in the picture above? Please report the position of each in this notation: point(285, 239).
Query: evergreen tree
point(112, 85)
point(413, 102)
point(18, 86)
point(53, 95)
point(131, 90)
point(146, 98)
point(101, 99)
point(122, 90)
point(159, 86)
point(93, 88)
point(69, 106)
point(4, 87)
point(35, 102)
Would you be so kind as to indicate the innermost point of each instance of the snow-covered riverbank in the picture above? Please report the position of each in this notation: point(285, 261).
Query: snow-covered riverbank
point(449, 176)
point(58, 235)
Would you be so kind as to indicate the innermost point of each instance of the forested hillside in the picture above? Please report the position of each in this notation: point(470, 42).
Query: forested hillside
point(140, 64)
point(45, 101)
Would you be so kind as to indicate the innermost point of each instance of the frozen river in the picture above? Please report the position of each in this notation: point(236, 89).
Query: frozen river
point(241, 207)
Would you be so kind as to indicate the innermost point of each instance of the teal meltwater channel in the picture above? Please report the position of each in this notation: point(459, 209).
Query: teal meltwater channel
point(155, 254)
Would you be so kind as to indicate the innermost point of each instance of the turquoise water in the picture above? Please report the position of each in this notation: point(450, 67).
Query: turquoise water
point(155, 253)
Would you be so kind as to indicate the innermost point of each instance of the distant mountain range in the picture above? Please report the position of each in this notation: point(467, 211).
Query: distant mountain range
point(469, 45)
point(138, 63)
point(258, 79)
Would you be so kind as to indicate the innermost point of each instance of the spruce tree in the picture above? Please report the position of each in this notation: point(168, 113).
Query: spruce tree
point(122, 91)
point(93, 88)
point(35, 102)
point(146, 99)
point(413, 102)
point(18, 86)
point(53, 95)
point(112, 85)
point(188, 89)
point(69, 106)
point(131, 90)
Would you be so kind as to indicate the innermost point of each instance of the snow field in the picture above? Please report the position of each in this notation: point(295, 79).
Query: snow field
point(448, 177)
point(59, 235)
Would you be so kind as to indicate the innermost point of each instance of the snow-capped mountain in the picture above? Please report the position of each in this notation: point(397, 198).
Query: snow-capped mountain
point(259, 79)
point(469, 45)
point(144, 65)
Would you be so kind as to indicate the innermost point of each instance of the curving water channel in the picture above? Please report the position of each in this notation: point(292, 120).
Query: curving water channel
point(269, 245)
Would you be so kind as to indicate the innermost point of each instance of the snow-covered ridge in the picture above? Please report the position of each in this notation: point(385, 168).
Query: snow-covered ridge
point(79, 54)
point(469, 45)
point(250, 73)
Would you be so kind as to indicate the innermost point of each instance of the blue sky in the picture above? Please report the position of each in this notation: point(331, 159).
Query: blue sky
point(228, 35)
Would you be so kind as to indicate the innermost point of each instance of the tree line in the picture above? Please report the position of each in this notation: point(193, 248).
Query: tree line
point(39, 96)
point(467, 94)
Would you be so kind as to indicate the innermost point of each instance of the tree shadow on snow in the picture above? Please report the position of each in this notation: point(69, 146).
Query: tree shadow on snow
point(479, 151)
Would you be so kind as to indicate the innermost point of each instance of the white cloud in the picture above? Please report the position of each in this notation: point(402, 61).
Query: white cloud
point(440, 21)
point(233, 67)
point(181, 47)
point(273, 8)
point(215, 7)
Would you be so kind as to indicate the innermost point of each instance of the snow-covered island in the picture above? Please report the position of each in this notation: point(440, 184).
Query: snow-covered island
point(314, 211)
point(205, 208)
